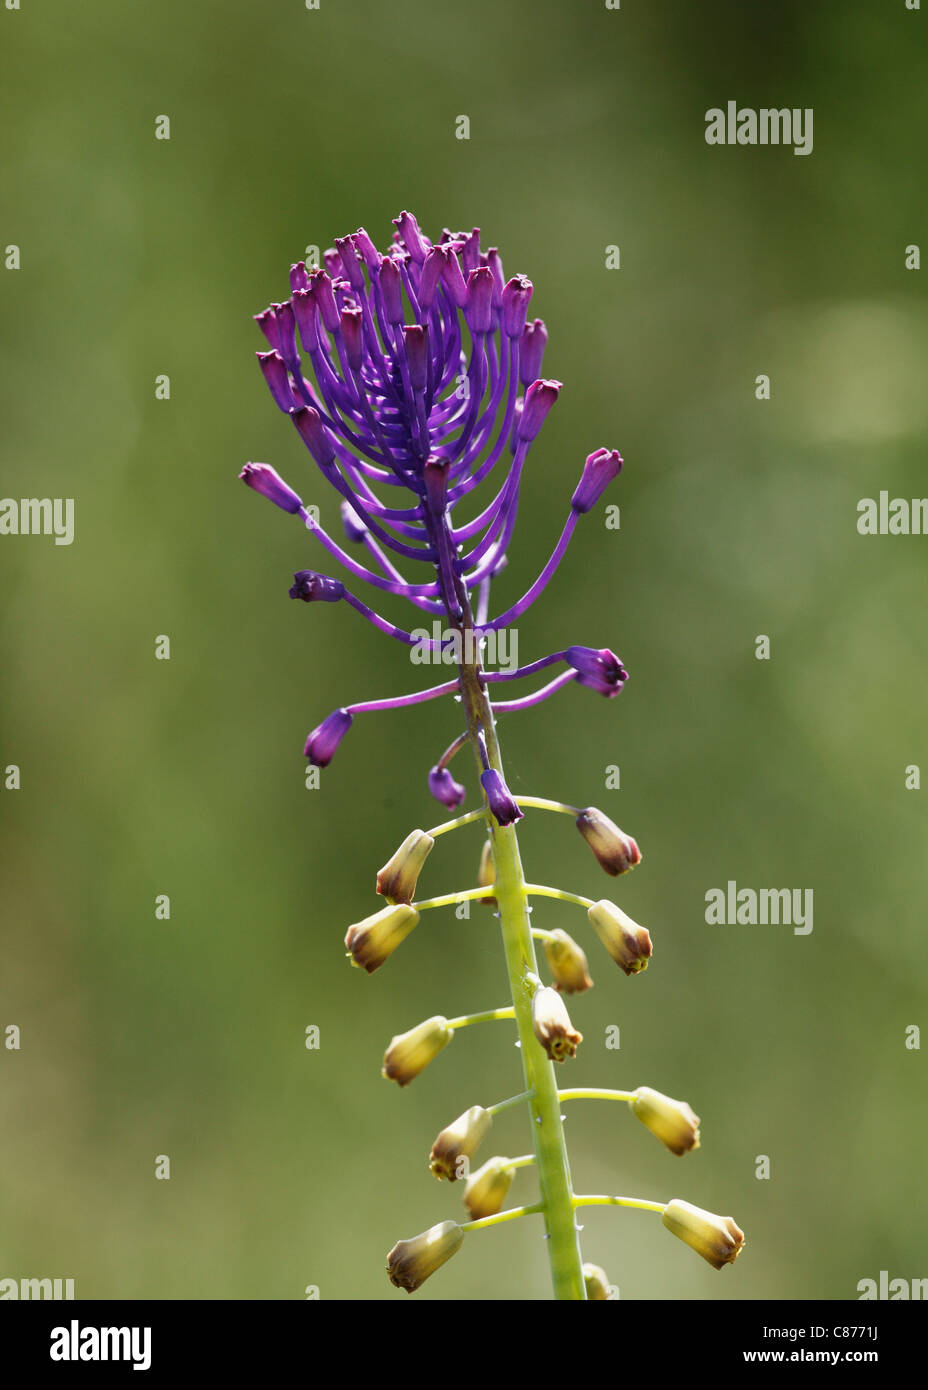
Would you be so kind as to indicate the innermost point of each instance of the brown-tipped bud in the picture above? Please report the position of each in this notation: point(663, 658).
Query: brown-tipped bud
point(456, 1145)
point(671, 1120)
point(371, 941)
point(409, 1053)
point(486, 873)
point(410, 1262)
point(717, 1238)
point(488, 1188)
point(568, 963)
point(397, 880)
point(597, 1283)
point(616, 851)
point(552, 1024)
point(628, 944)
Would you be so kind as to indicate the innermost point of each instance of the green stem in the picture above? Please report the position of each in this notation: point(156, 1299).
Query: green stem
point(488, 1016)
point(638, 1202)
point(511, 1215)
point(595, 1093)
point(509, 889)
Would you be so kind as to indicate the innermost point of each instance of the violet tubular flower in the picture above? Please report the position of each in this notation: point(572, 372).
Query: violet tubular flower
point(413, 380)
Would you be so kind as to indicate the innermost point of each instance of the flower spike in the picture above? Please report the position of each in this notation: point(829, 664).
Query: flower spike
point(413, 379)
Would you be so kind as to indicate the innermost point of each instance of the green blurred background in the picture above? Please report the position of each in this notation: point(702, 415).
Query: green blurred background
point(140, 777)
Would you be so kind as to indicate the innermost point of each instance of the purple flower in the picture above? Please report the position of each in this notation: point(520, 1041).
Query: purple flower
point(445, 789)
point(413, 378)
point(315, 588)
point(499, 798)
point(271, 485)
point(323, 741)
point(598, 472)
point(600, 670)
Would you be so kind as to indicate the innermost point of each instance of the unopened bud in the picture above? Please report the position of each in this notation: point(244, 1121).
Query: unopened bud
point(410, 1262)
point(261, 477)
point(597, 1283)
point(372, 940)
point(616, 851)
point(397, 880)
point(628, 944)
point(324, 740)
point(460, 1140)
point(552, 1024)
point(488, 1188)
point(717, 1238)
point(567, 962)
point(672, 1121)
point(409, 1053)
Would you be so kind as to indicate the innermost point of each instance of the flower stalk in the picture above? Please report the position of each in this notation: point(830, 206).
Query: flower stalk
point(427, 380)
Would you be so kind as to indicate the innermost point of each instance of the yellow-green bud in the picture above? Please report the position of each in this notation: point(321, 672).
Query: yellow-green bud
point(717, 1238)
point(409, 1053)
point(410, 1262)
point(552, 1024)
point(671, 1120)
point(372, 940)
point(488, 1188)
point(460, 1141)
point(397, 879)
point(616, 851)
point(628, 944)
point(568, 963)
point(486, 873)
point(597, 1283)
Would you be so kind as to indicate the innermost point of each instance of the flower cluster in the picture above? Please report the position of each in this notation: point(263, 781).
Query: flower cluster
point(424, 383)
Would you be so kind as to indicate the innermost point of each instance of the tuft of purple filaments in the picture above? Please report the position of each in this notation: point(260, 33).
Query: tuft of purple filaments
point(426, 381)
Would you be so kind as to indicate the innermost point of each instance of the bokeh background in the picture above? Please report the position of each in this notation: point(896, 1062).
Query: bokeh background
point(185, 1037)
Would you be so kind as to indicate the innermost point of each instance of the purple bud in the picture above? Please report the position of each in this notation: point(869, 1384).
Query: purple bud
point(298, 277)
point(391, 288)
point(349, 257)
point(314, 435)
point(451, 274)
point(445, 789)
point(333, 262)
point(368, 249)
point(470, 251)
point(531, 351)
point(539, 398)
point(264, 479)
point(411, 237)
point(515, 300)
point(304, 310)
point(478, 310)
point(321, 286)
point(431, 274)
point(495, 262)
point(417, 355)
point(286, 331)
point(324, 740)
point(275, 374)
point(316, 588)
point(267, 322)
point(355, 528)
point(600, 669)
point(500, 801)
point(598, 472)
point(351, 321)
